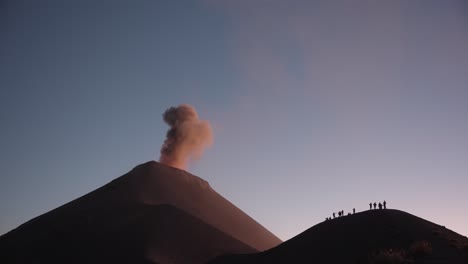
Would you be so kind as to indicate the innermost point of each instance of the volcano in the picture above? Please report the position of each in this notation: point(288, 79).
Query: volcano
point(152, 214)
point(374, 236)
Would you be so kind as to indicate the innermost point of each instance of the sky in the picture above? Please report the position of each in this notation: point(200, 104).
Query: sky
point(316, 106)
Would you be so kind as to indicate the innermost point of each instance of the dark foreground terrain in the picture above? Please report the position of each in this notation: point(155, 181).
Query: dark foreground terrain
point(375, 236)
point(159, 214)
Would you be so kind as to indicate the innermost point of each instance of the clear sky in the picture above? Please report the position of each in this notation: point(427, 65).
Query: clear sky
point(316, 106)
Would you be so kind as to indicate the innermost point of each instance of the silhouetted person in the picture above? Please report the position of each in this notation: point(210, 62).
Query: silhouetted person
point(334, 215)
point(339, 213)
point(384, 205)
point(370, 206)
point(375, 205)
point(354, 210)
point(380, 205)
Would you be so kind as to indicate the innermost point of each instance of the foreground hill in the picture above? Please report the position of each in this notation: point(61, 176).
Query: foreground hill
point(375, 236)
point(153, 214)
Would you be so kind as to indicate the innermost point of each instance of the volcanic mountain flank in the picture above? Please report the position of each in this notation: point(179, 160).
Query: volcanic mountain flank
point(153, 214)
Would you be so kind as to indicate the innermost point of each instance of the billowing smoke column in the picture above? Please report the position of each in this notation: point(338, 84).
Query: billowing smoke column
point(187, 137)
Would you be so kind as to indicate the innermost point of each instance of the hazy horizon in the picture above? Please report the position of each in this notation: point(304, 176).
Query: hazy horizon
point(315, 106)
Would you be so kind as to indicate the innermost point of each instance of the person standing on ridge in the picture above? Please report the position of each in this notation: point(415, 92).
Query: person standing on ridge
point(354, 210)
point(384, 205)
point(375, 205)
point(370, 206)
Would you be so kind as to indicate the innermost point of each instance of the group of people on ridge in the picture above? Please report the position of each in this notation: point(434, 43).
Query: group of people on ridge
point(341, 213)
point(381, 205)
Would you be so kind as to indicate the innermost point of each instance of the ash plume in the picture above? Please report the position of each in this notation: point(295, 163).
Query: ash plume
point(187, 137)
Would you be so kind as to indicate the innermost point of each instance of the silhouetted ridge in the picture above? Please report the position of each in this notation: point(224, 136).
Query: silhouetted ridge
point(354, 238)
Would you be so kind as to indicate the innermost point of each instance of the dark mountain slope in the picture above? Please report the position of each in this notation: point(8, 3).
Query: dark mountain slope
point(154, 212)
point(158, 183)
point(162, 234)
point(366, 237)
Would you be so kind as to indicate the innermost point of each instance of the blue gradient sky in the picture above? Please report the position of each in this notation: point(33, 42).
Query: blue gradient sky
point(317, 106)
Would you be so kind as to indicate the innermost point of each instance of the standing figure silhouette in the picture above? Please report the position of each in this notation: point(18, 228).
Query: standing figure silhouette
point(384, 205)
point(375, 205)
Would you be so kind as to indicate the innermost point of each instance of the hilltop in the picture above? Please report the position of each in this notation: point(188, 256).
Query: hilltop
point(373, 236)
